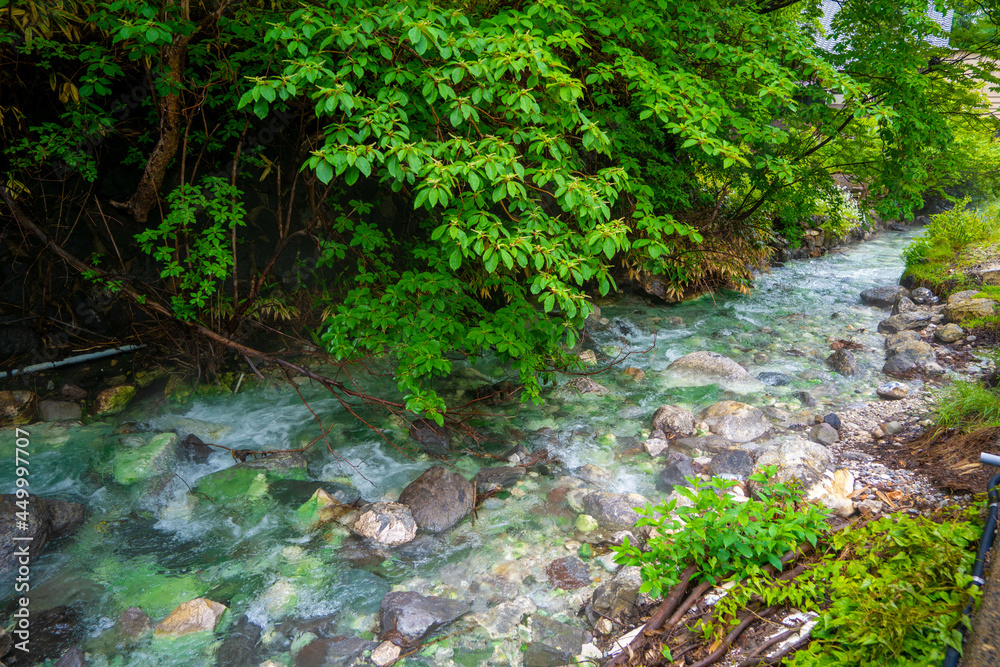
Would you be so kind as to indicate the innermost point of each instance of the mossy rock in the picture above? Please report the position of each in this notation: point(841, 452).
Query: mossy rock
point(178, 390)
point(132, 465)
point(113, 400)
point(239, 483)
point(17, 407)
point(141, 583)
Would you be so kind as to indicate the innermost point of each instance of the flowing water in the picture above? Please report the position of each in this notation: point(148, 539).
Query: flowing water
point(171, 538)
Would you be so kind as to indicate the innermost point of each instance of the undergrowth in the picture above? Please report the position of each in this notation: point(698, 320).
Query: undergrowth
point(931, 257)
point(968, 406)
point(890, 592)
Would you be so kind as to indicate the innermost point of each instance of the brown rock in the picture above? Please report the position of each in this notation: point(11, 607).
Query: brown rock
point(191, 616)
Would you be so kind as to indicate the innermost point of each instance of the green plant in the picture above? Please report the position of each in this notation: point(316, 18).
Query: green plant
point(192, 243)
point(932, 255)
point(967, 406)
point(721, 536)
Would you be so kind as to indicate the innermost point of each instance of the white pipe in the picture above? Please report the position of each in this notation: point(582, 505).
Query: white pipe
point(989, 459)
point(78, 359)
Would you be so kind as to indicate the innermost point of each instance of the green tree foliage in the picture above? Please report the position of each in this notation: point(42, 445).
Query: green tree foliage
point(539, 150)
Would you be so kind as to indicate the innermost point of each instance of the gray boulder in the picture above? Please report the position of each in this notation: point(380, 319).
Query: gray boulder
point(883, 297)
point(843, 362)
point(438, 499)
point(701, 368)
point(703, 443)
point(893, 391)
point(893, 340)
point(498, 476)
point(774, 378)
point(949, 333)
point(675, 474)
point(797, 458)
point(46, 520)
point(902, 305)
point(613, 511)
point(916, 350)
point(922, 296)
point(736, 421)
point(824, 434)
point(329, 652)
point(900, 367)
point(673, 419)
point(414, 616)
point(913, 319)
point(616, 597)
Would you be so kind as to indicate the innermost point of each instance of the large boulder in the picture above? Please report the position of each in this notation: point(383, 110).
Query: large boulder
point(196, 615)
point(843, 362)
point(613, 511)
point(732, 464)
point(438, 499)
point(675, 474)
point(616, 597)
point(735, 421)
point(673, 419)
point(17, 407)
point(969, 309)
point(949, 333)
point(390, 524)
point(412, 616)
point(916, 350)
point(883, 297)
point(701, 368)
point(45, 520)
point(912, 319)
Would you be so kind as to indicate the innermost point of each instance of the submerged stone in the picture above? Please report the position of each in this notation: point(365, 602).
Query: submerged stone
point(673, 419)
point(613, 511)
point(390, 524)
point(196, 615)
point(883, 297)
point(413, 616)
point(736, 421)
point(553, 643)
point(438, 499)
point(568, 573)
point(154, 458)
point(113, 400)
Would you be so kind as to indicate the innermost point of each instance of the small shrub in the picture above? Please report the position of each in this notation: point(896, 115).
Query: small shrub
point(968, 406)
point(720, 535)
point(929, 257)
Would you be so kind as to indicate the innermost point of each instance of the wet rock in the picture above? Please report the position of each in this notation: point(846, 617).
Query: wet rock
point(567, 573)
point(733, 464)
point(320, 509)
point(47, 520)
point(704, 443)
point(893, 340)
point(824, 434)
point(903, 305)
point(192, 616)
point(390, 524)
point(834, 491)
point(584, 385)
point(53, 632)
point(917, 350)
point(589, 357)
point(413, 616)
point(135, 623)
point(655, 446)
point(949, 333)
point(586, 523)
point(893, 428)
point(675, 474)
point(893, 391)
point(969, 309)
point(438, 499)
point(56, 411)
point(833, 420)
point(914, 319)
point(141, 463)
point(385, 654)
point(883, 297)
point(613, 511)
point(843, 362)
point(592, 475)
point(700, 368)
point(335, 651)
point(673, 419)
point(113, 400)
point(239, 647)
point(503, 619)
point(553, 643)
point(194, 449)
point(17, 407)
point(72, 658)
point(736, 421)
point(504, 477)
point(922, 296)
point(618, 596)
point(900, 367)
point(635, 374)
point(278, 462)
point(432, 438)
point(774, 378)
